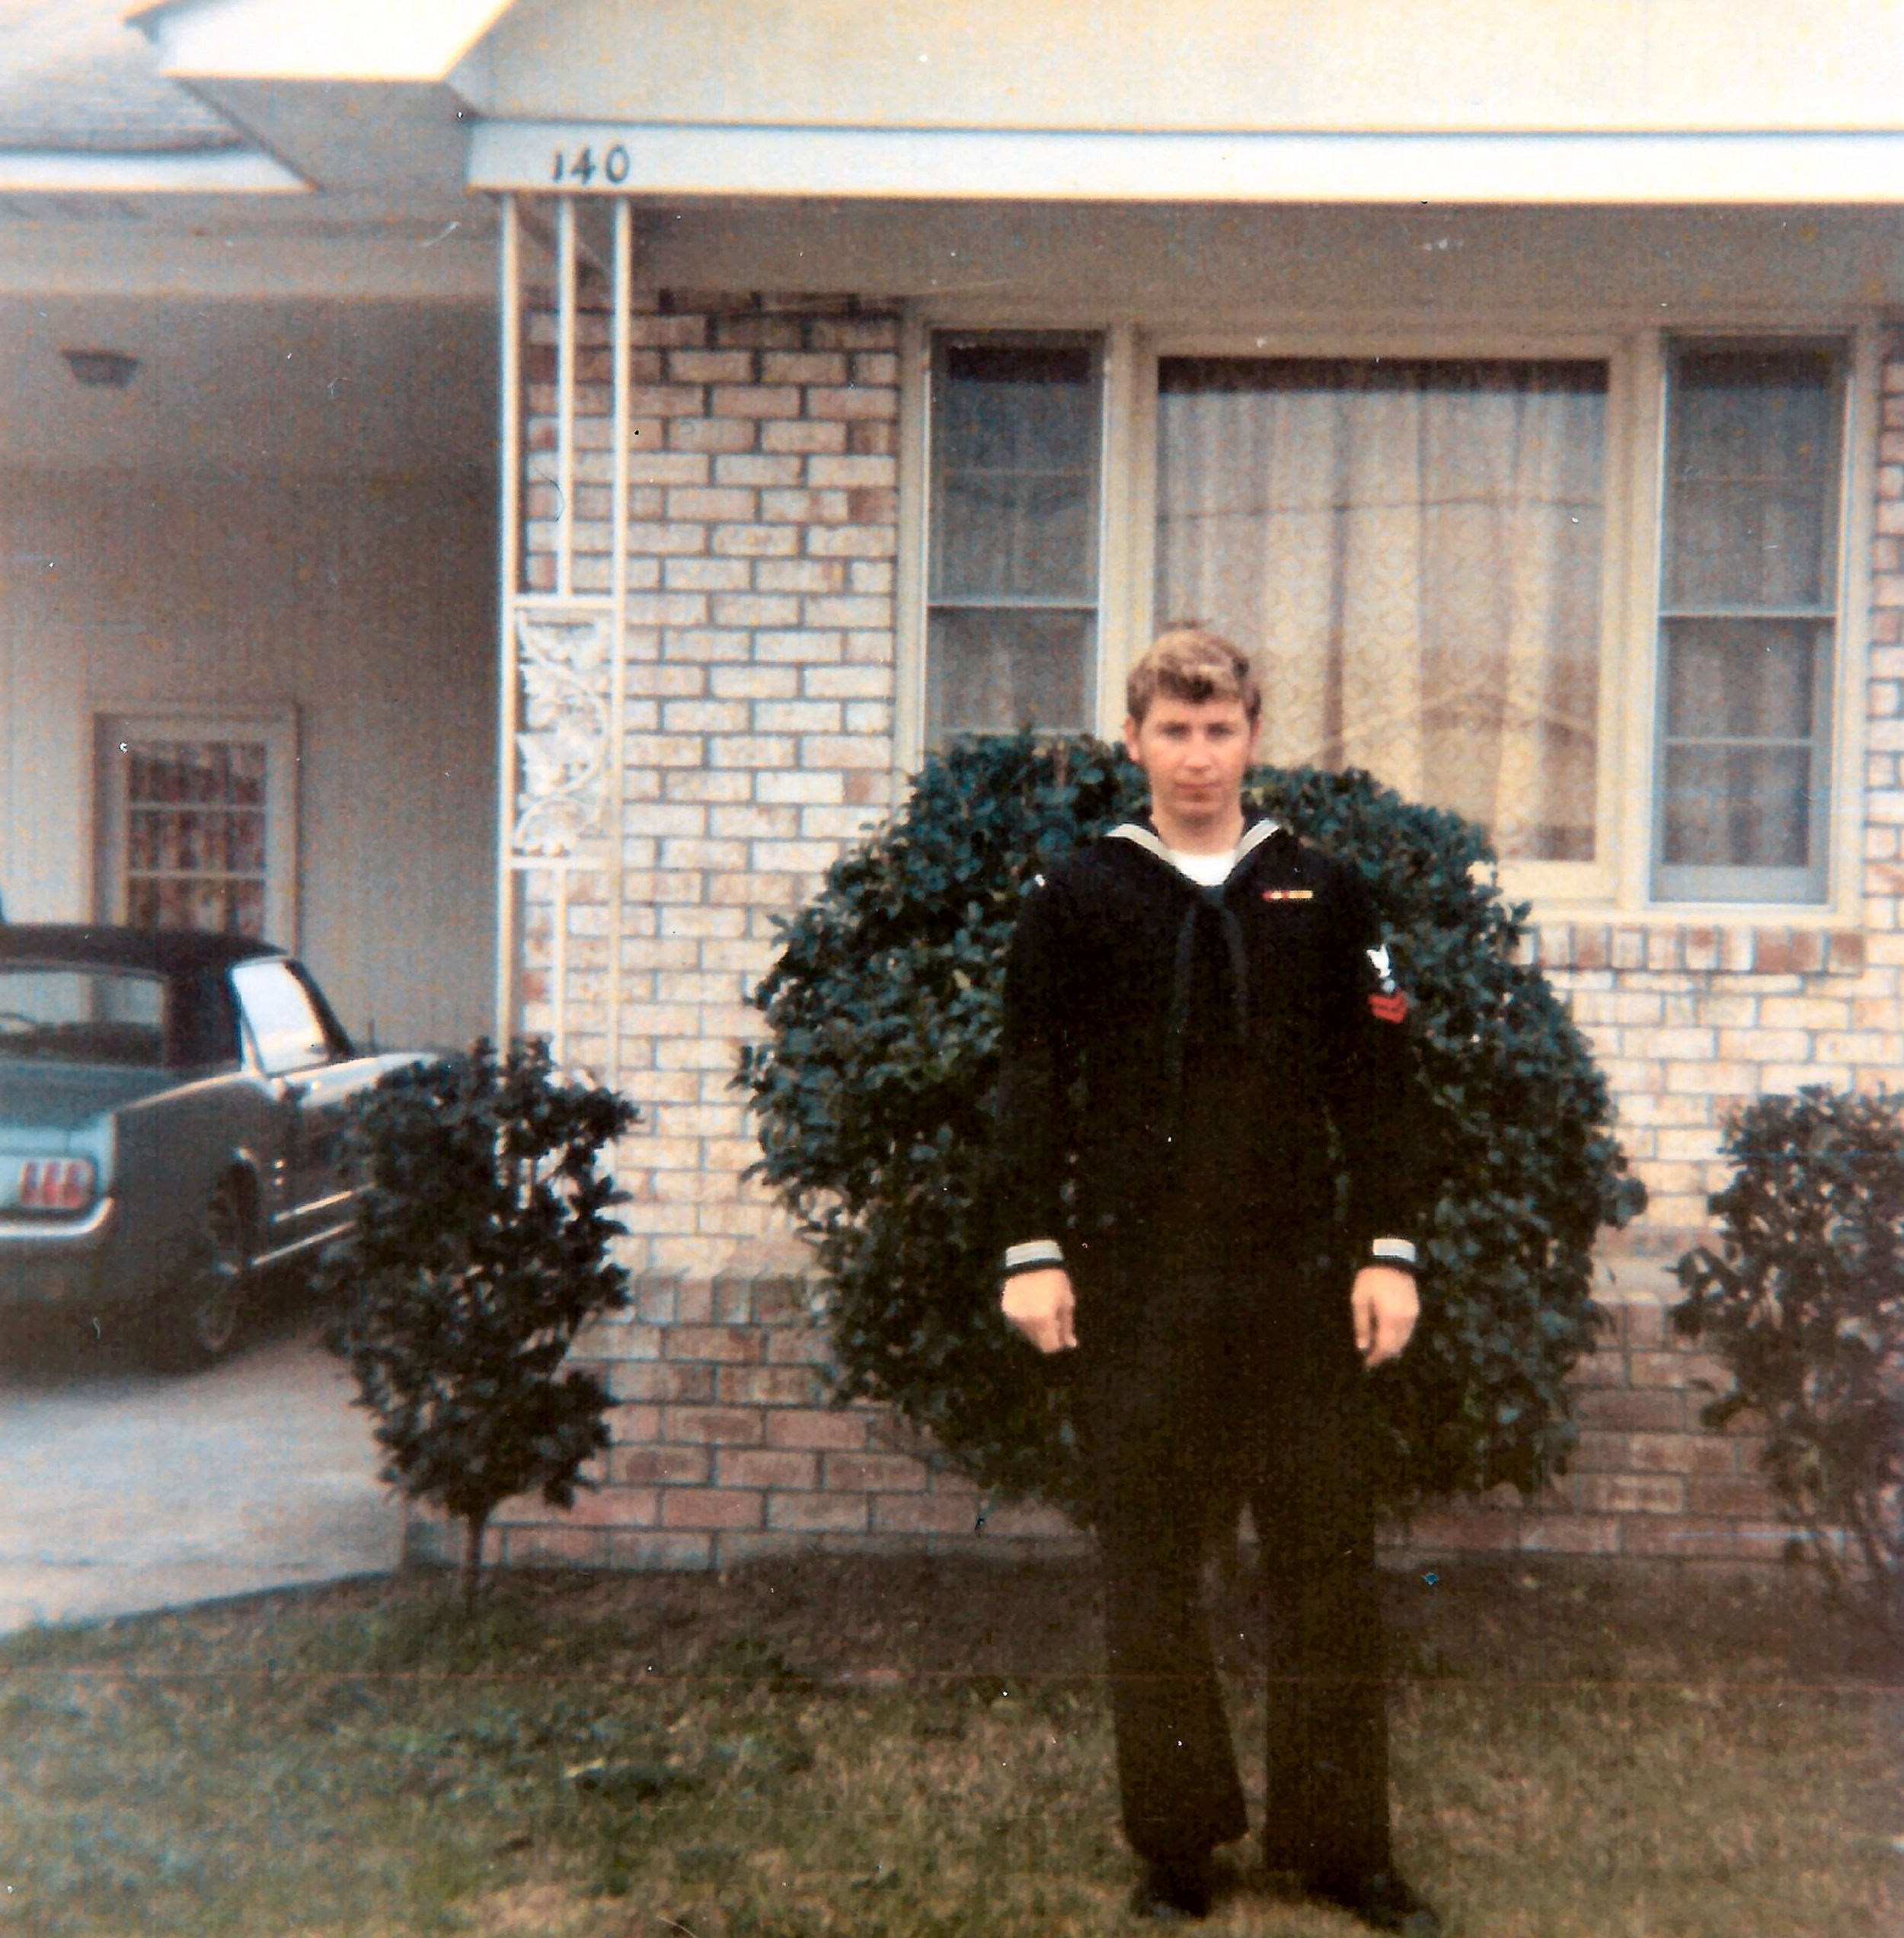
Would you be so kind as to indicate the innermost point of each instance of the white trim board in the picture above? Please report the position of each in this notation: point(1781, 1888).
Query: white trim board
point(1013, 164)
point(208, 171)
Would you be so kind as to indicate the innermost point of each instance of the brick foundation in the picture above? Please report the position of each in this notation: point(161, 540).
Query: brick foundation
point(726, 1450)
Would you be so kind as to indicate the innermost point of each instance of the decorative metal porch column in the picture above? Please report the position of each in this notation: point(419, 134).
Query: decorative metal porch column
point(564, 589)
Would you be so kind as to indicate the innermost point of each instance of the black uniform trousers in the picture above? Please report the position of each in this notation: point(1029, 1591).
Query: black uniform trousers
point(1198, 1390)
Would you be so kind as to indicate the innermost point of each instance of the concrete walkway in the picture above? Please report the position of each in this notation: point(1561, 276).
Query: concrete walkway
point(122, 1491)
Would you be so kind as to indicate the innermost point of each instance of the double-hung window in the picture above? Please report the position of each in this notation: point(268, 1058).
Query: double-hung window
point(1747, 622)
point(1440, 565)
point(1012, 544)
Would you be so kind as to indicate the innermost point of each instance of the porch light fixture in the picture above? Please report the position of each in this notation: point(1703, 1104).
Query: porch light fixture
point(101, 370)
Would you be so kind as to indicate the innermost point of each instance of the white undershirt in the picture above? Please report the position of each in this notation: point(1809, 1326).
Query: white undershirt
point(1206, 870)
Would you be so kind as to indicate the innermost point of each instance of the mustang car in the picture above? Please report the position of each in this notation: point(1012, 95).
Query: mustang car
point(172, 1108)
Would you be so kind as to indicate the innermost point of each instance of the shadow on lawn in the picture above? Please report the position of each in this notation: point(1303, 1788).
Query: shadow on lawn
point(898, 1619)
point(917, 1748)
point(893, 1621)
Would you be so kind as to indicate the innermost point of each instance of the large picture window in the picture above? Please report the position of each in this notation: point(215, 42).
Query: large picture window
point(1587, 595)
point(1011, 625)
point(1748, 620)
point(197, 822)
point(1413, 551)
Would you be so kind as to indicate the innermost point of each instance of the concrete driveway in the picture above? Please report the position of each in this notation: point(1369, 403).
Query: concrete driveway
point(121, 1491)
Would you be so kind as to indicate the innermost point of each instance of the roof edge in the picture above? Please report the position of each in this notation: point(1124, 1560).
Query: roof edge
point(199, 171)
point(289, 40)
point(727, 161)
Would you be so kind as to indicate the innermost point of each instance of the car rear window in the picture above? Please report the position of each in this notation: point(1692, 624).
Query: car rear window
point(57, 1014)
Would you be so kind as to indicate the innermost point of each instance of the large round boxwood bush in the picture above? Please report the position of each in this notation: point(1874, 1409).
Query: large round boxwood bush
point(872, 1092)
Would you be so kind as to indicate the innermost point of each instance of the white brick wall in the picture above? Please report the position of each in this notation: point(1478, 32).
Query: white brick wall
point(758, 650)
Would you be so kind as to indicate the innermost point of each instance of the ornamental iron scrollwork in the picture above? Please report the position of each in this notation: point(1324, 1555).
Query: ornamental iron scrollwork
point(563, 742)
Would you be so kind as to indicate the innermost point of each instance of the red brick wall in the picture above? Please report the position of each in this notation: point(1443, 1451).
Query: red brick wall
point(1647, 1478)
point(726, 1450)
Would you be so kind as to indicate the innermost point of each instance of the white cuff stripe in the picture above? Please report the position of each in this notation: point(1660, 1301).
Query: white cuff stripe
point(1395, 1251)
point(1035, 1251)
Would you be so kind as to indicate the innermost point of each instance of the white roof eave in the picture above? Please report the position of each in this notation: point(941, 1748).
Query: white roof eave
point(292, 40)
point(1768, 168)
point(213, 171)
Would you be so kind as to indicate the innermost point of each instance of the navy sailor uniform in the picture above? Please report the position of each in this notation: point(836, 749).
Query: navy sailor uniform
point(1180, 1064)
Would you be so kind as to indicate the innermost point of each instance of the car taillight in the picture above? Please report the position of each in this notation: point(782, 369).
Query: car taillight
point(55, 1184)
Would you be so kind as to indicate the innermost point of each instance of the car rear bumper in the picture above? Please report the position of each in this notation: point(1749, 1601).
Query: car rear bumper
point(55, 1260)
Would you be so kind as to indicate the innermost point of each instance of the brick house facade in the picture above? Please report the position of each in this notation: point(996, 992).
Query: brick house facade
point(734, 276)
point(762, 532)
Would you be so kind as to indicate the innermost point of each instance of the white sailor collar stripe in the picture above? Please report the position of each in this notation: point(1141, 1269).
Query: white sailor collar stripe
point(1254, 837)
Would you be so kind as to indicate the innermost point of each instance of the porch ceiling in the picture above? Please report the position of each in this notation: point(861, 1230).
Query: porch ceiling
point(1208, 266)
point(251, 389)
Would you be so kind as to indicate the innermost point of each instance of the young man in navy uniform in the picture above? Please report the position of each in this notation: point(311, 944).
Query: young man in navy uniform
point(1198, 1011)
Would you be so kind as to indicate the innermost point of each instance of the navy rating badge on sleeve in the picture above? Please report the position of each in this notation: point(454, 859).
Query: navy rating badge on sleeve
point(1386, 1004)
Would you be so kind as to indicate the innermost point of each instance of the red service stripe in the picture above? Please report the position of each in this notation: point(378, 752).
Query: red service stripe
point(1389, 1008)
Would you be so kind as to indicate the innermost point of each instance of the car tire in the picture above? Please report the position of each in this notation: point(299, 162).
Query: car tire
point(199, 1317)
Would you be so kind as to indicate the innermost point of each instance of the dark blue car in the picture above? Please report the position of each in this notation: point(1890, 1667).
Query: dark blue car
point(171, 1108)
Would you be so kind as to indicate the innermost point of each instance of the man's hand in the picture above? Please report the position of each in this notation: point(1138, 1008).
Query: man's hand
point(1386, 1306)
point(1040, 1305)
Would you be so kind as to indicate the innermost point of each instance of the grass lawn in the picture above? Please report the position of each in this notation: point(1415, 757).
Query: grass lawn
point(915, 1748)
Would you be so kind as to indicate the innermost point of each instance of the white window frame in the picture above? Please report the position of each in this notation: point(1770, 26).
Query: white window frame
point(1097, 342)
point(275, 726)
point(1617, 883)
point(1857, 483)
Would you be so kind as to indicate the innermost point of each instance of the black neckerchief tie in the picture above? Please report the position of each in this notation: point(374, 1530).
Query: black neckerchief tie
point(1203, 902)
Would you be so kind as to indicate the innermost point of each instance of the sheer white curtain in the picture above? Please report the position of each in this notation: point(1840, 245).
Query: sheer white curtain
point(1412, 552)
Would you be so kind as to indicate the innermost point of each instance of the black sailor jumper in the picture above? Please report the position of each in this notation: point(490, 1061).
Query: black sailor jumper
point(1175, 1058)
point(1178, 1061)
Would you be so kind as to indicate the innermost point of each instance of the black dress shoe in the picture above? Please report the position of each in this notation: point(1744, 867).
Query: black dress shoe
point(1173, 1888)
point(1385, 1903)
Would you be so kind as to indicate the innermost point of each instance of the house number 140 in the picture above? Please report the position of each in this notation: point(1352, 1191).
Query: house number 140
point(582, 166)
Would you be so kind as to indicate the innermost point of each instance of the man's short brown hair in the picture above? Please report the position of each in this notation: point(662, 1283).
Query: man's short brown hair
point(1192, 662)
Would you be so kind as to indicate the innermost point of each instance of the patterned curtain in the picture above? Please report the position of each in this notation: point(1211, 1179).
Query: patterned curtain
point(1412, 551)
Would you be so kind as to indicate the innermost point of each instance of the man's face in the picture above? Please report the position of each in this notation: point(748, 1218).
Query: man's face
point(1194, 754)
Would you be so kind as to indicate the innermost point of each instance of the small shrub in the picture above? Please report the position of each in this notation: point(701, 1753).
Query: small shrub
point(1804, 1303)
point(480, 1250)
point(871, 1095)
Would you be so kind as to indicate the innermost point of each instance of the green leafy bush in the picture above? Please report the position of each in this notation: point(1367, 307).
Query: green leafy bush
point(1804, 1302)
point(871, 1091)
point(480, 1250)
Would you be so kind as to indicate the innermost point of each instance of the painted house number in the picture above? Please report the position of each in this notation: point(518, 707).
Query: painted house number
point(581, 167)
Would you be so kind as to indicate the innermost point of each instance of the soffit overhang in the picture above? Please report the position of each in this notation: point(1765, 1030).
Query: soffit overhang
point(1666, 102)
point(1223, 67)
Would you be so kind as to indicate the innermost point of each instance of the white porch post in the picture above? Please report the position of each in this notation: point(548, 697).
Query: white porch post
point(564, 595)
